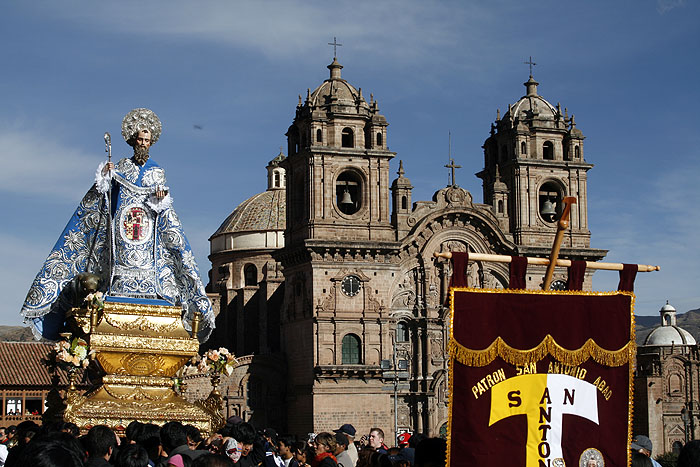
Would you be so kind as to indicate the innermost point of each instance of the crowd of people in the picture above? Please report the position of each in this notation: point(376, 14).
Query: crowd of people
point(238, 443)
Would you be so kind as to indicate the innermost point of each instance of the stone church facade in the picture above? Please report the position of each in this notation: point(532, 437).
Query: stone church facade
point(327, 283)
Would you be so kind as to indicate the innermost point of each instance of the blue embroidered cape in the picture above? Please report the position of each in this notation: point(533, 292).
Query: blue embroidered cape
point(86, 245)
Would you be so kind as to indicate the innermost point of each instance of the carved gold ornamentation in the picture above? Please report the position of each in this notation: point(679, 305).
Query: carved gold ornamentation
point(140, 348)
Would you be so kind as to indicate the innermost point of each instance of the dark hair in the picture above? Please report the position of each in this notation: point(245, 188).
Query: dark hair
point(287, 441)
point(640, 460)
point(378, 430)
point(193, 433)
point(244, 433)
point(11, 429)
point(342, 439)
point(149, 438)
point(690, 454)
point(26, 429)
point(272, 434)
point(415, 439)
point(99, 439)
point(132, 430)
point(213, 460)
point(172, 435)
point(49, 452)
point(132, 455)
point(431, 451)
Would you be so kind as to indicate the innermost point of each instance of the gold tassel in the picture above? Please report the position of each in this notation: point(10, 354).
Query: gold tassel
point(548, 346)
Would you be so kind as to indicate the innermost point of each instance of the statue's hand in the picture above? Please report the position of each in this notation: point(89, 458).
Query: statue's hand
point(160, 193)
point(109, 166)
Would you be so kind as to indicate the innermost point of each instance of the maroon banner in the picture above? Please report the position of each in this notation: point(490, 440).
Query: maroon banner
point(540, 378)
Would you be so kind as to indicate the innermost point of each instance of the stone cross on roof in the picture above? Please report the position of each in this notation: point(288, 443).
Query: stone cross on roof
point(453, 166)
point(335, 47)
point(531, 63)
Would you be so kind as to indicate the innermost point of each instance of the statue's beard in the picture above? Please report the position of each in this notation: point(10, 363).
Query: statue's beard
point(140, 155)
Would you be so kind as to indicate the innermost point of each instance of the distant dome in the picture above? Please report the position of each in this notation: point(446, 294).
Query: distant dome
point(262, 212)
point(257, 223)
point(669, 335)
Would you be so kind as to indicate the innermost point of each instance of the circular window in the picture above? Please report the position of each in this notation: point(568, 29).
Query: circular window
point(348, 192)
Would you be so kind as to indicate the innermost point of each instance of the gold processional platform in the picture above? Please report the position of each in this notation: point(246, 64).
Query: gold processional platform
point(140, 348)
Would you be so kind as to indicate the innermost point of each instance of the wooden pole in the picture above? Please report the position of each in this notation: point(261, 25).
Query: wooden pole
point(545, 261)
point(562, 225)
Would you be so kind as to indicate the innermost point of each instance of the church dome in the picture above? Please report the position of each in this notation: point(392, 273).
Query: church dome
point(669, 333)
point(259, 213)
point(531, 105)
point(338, 95)
point(259, 221)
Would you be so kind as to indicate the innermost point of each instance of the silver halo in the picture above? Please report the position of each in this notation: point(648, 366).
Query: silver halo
point(141, 119)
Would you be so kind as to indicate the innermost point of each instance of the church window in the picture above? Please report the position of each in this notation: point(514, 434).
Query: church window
point(13, 407)
point(379, 139)
point(674, 383)
point(277, 179)
point(548, 150)
point(319, 136)
point(550, 201)
point(348, 192)
point(293, 140)
point(523, 148)
point(348, 138)
point(404, 202)
point(401, 331)
point(351, 350)
point(500, 206)
point(567, 153)
point(577, 151)
point(250, 274)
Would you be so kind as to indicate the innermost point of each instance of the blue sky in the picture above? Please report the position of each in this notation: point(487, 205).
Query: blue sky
point(628, 71)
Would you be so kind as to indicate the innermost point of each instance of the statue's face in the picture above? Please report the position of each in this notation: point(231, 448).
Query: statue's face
point(143, 139)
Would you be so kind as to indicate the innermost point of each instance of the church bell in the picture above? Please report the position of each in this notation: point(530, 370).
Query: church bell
point(346, 199)
point(548, 208)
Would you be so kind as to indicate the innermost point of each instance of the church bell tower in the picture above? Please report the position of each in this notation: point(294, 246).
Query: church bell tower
point(533, 159)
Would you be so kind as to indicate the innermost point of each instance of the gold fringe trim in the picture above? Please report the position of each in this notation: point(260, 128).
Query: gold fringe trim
point(548, 346)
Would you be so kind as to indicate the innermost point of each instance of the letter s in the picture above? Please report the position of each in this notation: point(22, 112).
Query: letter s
point(514, 397)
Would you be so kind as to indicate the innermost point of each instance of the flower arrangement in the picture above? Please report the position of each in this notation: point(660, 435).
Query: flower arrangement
point(72, 353)
point(95, 301)
point(216, 362)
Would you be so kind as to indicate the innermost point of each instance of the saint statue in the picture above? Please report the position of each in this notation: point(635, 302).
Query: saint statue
point(125, 231)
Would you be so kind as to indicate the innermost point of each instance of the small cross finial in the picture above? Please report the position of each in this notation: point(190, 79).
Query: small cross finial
point(531, 63)
point(453, 166)
point(335, 47)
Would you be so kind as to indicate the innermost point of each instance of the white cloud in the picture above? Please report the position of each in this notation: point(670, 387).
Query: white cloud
point(664, 6)
point(36, 163)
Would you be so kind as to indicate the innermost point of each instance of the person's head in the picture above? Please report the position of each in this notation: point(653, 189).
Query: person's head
point(286, 447)
point(212, 460)
point(194, 436)
point(376, 438)
point(299, 449)
point(2, 432)
point(100, 441)
point(142, 141)
point(149, 438)
point(70, 428)
point(172, 435)
point(26, 431)
point(132, 430)
point(431, 452)
point(11, 431)
point(271, 436)
point(245, 435)
point(689, 455)
point(348, 430)
point(341, 441)
point(641, 443)
point(132, 455)
point(324, 442)
point(50, 452)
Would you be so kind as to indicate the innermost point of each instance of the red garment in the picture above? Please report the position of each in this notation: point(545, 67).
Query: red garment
point(318, 460)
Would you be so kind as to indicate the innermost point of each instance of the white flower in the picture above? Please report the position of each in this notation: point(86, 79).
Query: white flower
point(229, 369)
point(81, 352)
